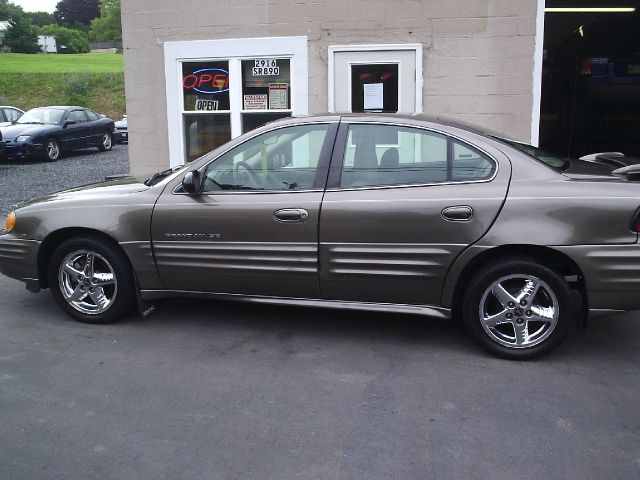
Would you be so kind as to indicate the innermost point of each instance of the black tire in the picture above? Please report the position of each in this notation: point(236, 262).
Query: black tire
point(518, 334)
point(106, 142)
point(52, 150)
point(103, 302)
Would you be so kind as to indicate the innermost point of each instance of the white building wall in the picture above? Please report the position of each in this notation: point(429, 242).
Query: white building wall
point(478, 55)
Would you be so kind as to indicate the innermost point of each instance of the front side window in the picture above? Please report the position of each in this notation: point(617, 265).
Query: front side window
point(379, 155)
point(283, 159)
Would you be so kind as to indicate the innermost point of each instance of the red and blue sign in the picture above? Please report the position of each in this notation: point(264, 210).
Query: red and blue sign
point(207, 80)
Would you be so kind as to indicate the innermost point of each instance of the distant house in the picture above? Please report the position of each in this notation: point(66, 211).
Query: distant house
point(47, 44)
point(4, 24)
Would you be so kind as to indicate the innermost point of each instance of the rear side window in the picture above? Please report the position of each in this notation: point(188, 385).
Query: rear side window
point(12, 114)
point(77, 116)
point(379, 155)
point(93, 116)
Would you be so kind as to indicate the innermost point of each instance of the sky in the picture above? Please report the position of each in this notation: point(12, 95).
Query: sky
point(37, 5)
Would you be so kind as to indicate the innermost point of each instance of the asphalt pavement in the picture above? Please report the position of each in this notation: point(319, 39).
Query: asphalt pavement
point(217, 390)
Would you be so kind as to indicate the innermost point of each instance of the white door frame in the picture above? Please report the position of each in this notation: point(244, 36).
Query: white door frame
point(232, 50)
point(416, 47)
point(537, 75)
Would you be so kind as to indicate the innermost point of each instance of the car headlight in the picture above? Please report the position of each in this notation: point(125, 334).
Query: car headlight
point(10, 222)
point(22, 138)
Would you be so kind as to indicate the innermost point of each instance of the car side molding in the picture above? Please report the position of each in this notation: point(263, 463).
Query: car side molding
point(425, 310)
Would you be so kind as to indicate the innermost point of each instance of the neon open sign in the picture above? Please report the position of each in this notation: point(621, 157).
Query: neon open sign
point(207, 80)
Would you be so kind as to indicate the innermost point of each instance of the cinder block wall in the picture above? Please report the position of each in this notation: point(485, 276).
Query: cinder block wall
point(478, 54)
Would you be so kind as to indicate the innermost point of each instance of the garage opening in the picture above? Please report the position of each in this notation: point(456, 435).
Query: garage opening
point(591, 77)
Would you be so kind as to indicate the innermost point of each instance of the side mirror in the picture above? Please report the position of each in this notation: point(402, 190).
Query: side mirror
point(191, 183)
point(67, 123)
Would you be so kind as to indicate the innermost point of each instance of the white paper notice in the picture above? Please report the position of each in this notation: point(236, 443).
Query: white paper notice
point(373, 96)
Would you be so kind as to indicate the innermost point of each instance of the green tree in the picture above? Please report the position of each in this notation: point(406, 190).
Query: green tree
point(109, 25)
point(70, 12)
point(40, 19)
point(21, 36)
point(75, 41)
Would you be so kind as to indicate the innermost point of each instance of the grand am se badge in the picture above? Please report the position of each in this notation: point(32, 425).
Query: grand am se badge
point(193, 236)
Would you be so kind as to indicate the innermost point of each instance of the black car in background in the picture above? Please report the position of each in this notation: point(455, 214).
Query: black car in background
point(47, 132)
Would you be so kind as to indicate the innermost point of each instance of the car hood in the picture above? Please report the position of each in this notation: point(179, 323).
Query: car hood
point(12, 131)
point(93, 191)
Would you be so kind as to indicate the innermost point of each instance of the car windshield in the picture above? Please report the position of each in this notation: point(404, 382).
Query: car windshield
point(545, 157)
point(42, 116)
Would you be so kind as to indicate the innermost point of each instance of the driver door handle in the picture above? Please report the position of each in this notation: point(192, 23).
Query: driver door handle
point(458, 213)
point(291, 215)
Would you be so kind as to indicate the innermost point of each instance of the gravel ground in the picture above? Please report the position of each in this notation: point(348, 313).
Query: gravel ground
point(22, 180)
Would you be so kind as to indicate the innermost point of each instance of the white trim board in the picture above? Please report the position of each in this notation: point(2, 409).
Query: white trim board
point(230, 49)
point(537, 75)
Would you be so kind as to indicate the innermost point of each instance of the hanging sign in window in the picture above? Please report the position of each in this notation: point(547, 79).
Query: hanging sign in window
point(255, 102)
point(206, 104)
point(278, 96)
point(264, 67)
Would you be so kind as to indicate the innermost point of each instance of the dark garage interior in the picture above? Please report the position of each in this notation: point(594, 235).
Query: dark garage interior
point(591, 79)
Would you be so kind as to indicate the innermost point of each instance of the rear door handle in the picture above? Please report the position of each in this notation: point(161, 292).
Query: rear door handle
point(291, 215)
point(458, 213)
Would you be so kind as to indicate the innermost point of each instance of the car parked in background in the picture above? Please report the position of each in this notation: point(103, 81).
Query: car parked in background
point(47, 132)
point(122, 130)
point(8, 115)
point(374, 212)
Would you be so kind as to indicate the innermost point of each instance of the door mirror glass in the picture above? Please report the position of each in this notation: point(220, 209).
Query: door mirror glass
point(191, 182)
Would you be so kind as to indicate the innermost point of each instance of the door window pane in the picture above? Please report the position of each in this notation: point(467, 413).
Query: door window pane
point(205, 85)
point(374, 88)
point(469, 164)
point(12, 114)
point(283, 159)
point(420, 157)
point(204, 132)
point(266, 84)
point(77, 116)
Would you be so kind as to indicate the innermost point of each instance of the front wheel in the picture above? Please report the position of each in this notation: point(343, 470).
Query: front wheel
point(518, 309)
point(52, 150)
point(91, 280)
point(106, 142)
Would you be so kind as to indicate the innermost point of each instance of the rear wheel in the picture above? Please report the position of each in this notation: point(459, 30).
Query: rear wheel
point(106, 142)
point(518, 309)
point(91, 280)
point(52, 150)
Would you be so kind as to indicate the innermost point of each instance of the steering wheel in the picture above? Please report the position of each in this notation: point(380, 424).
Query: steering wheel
point(248, 171)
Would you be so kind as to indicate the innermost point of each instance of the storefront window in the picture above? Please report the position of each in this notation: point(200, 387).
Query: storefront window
point(205, 132)
point(374, 88)
point(205, 86)
point(266, 87)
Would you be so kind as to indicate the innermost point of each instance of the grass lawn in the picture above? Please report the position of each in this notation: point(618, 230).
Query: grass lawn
point(59, 63)
point(93, 80)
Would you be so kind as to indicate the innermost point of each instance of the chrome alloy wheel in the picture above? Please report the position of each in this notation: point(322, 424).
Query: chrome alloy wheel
point(53, 150)
point(87, 282)
point(519, 311)
point(106, 141)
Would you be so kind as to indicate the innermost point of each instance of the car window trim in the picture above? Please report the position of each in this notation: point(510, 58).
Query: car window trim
point(337, 160)
point(324, 162)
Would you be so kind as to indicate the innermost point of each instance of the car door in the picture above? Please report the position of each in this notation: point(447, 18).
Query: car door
point(96, 128)
point(76, 131)
point(402, 202)
point(254, 229)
